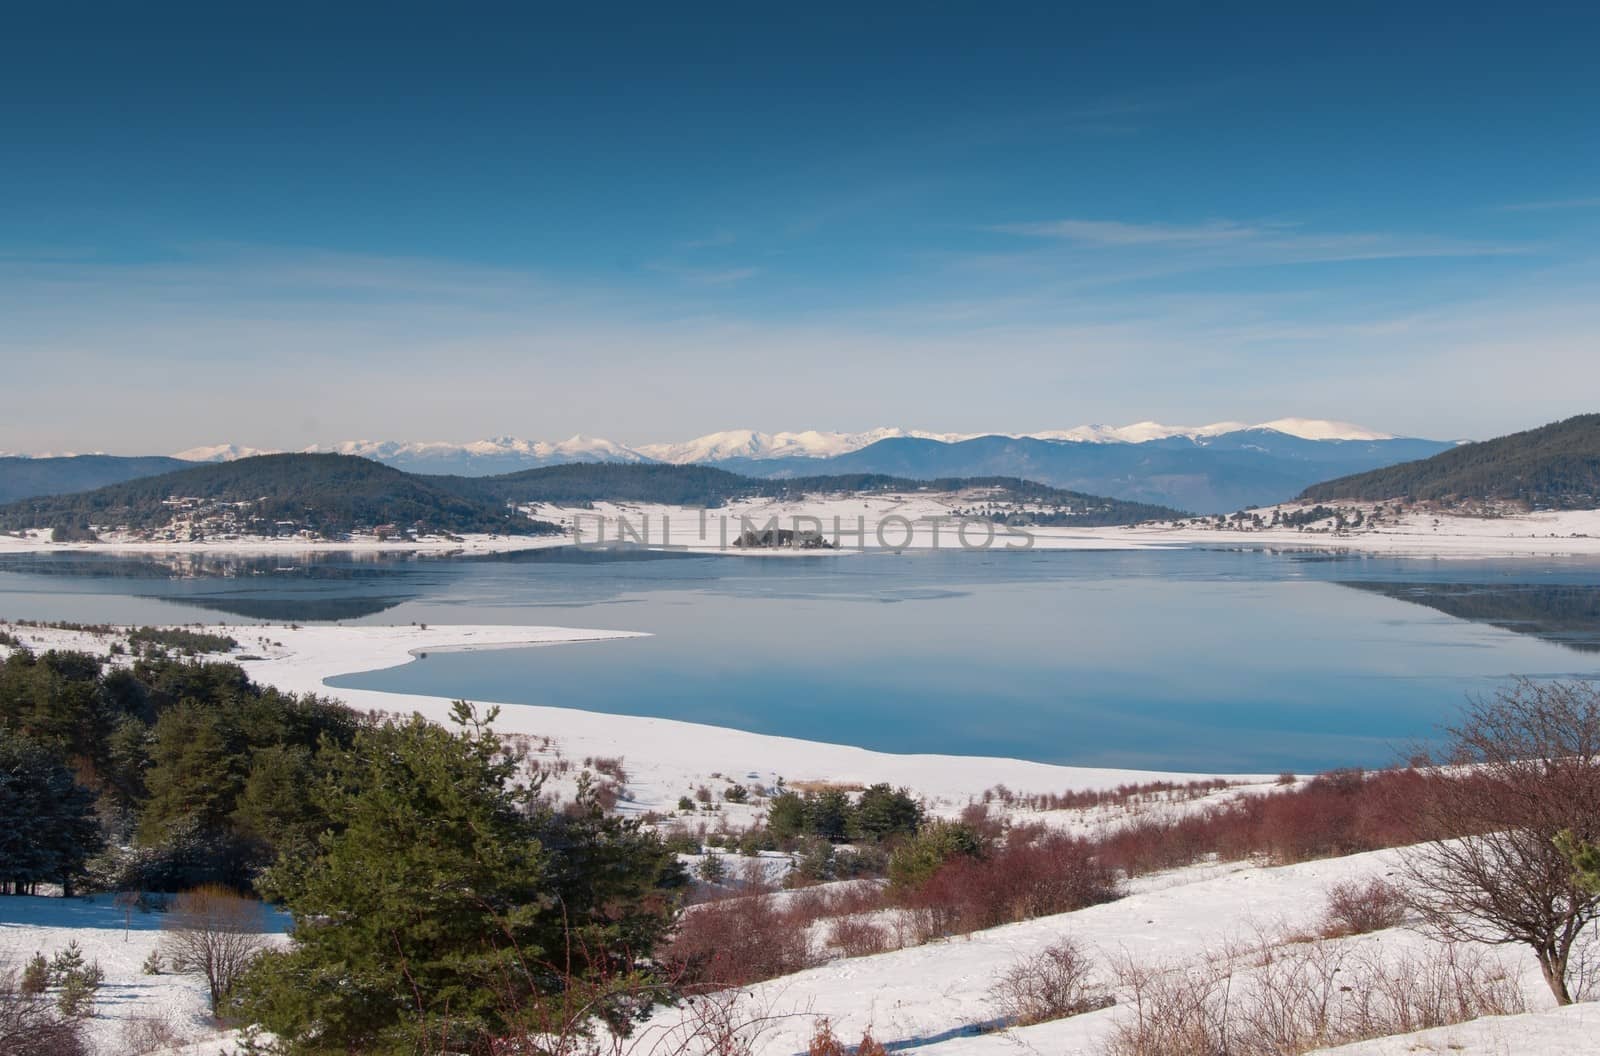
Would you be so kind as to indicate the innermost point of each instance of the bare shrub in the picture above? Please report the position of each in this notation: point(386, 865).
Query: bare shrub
point(610, 766)
point(216, 933)
point(1125, 795)
point(1356, 907)
point(1452, 984)
point(1174, 1011)
point(824, 1042)
point(31, 1024)
point(716, 1023)
point(1294, 999)
point(1052, 984)
point(1527, 769)
point(146, 1035)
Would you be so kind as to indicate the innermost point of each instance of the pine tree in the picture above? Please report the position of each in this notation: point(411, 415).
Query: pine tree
point(445, 904)
point(194, 774)
point(882, 812)
point(67, 962)
point(1585, 858)
point(47, 823)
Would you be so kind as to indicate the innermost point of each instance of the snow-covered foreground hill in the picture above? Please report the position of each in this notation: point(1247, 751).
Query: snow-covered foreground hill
point(932, 999)
point(935, 998)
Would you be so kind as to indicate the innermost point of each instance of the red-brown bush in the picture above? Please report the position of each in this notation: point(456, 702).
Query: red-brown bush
point(738, 941)
point(855, 937)
point(1344, 812)
point(1033, 874)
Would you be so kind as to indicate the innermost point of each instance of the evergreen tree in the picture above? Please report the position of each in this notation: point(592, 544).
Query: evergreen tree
point(882, 812)
point(47, 824)
point(444, 906)
point(278, 805)
point(830, 813)
point(194, 774)
point(787, 816)
point(916, 860)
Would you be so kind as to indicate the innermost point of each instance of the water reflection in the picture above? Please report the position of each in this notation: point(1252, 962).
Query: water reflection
point(1566, 614)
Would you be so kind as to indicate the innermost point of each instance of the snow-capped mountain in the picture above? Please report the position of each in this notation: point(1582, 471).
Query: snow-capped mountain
point(501, 454)
point(748, 443)
point(744, 445)
point(222, 453)
point(1144, 432)
point(752, 445)
point(574, 449)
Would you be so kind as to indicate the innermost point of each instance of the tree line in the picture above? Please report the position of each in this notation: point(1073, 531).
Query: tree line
point(1556, 466)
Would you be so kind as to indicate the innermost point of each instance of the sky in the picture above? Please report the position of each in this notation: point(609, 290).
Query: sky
point(286, 224)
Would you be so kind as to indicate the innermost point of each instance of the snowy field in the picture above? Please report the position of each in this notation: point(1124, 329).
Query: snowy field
point(937, 1000)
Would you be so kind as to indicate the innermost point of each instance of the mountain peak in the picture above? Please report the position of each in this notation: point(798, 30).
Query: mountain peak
point(1318, 429)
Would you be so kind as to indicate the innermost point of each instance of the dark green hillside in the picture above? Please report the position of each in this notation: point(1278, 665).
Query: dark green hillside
point(583, 483)
point(1555, 466)
point(327, 494)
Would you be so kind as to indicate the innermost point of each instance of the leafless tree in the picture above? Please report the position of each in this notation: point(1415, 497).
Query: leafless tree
point(216, 933)
point(1524, 767)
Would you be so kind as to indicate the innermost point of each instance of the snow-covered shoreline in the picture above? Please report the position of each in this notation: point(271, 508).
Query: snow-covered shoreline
point(39, 542)
point(916, 521)
point(665, 758)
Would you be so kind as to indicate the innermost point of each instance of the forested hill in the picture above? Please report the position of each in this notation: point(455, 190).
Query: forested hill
point(1555, 466)
point(332, 495)
point(24, 477)
point(326, 494)
point(584, 483)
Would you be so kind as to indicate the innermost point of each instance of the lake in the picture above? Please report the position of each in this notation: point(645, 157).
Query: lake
point(1203, 659)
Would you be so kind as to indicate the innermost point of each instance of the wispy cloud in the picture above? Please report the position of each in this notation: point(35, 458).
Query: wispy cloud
point(1557, 203)
point(1233, 243)
point(1119, 233)
point(705, 276)
point(714, 240)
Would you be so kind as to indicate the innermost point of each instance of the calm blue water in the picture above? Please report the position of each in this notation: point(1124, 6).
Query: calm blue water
point(1198, 659)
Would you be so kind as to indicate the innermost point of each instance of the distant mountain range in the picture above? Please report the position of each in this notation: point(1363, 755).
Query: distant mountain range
point(1555, 466)
point(1099, 475)
point(22, 476)
point(1211, 468)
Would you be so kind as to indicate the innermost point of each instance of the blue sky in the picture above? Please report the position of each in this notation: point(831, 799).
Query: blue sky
point(285, 225)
